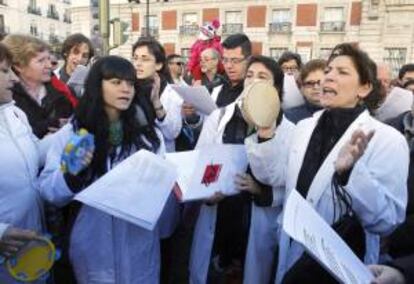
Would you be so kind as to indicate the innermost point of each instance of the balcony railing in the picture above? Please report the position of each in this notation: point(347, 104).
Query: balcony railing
point(34, 10)
point(334, 26)
point(280, 27)
point(229, 29)
point(151, 31)
point(189, 30)
point(53, 15)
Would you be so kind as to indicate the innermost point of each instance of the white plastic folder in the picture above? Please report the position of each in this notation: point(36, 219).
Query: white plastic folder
point(136, 190)
point(198, 96)
point(207, 170)
point(305, 225)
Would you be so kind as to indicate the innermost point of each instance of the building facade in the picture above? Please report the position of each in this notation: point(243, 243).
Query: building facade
point(47, 19)
point(384, 28)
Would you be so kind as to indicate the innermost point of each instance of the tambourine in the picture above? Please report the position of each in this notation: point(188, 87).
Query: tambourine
point(33, 262)
point(75, 151)
point(260, 104)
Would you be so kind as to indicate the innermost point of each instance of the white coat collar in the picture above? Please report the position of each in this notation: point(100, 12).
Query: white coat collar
point(324, 175)
point(216, 91)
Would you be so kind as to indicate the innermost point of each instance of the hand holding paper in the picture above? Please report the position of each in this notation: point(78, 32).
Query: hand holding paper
point(322, 241)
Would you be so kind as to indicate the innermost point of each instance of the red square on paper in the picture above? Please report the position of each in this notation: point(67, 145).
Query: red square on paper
point(211, 174)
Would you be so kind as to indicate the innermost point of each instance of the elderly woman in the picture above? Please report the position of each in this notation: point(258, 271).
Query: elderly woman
point(20, 152)
point(310, 83)
point(350, 167)
point(46, 101)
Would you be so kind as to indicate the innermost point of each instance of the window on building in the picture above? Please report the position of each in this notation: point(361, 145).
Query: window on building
point(233, 17)
point(3, 2)
point(190, 19)
point(32, 3)
point(2, 27)
point(33, 29)
point(333, 14)
point(395, 57)
point(275, 53)
point(281, 16)
point(333, 19)
point(152, 21)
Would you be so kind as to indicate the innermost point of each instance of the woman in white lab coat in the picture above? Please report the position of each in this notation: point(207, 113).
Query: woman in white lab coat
point(103, 248)
point(345, 163)
point(223, 126)
point(21, 209)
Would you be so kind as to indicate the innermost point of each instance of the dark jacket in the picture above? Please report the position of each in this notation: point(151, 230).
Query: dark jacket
point(406, 266)
point(298, 113)
point(401, 241)
point(55, 105)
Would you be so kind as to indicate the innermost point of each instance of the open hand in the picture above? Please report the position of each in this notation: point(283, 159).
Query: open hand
point(352, 151)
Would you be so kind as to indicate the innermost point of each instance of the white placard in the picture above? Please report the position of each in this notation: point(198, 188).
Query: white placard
point(207, 170)
point(306, 226)
point(198, 96)
point(136, 190)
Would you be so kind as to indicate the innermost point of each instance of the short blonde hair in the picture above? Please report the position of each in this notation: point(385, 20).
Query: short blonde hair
point(24, 47)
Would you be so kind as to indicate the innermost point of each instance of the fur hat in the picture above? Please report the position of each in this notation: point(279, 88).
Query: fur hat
point(209, 30)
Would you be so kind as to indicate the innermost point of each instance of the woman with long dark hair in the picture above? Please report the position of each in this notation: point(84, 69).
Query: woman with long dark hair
point(103, 248)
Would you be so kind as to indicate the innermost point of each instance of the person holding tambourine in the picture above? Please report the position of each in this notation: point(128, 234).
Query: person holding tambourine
point(222, 231)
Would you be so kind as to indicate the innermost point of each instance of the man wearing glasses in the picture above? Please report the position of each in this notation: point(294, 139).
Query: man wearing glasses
point(237, 49)
point(290, 63)
point(175, 67)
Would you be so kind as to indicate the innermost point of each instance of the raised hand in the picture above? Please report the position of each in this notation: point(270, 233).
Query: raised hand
point(352, 150)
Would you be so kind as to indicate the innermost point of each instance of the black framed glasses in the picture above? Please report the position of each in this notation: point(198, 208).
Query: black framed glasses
point(312, 84)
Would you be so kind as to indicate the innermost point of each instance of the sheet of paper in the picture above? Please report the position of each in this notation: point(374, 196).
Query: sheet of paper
point(198, 96)
point(397, 101)
point(322, 241)
point(291, 93)
point(207, 170)
point(136, 190)
point(78, 76)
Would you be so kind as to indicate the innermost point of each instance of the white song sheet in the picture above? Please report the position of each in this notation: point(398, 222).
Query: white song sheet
point(198, 96)
point(207, 170)
point(136, 190)
point(322, 241)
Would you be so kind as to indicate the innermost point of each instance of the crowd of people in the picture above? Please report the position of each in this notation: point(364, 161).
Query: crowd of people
point(330, 142)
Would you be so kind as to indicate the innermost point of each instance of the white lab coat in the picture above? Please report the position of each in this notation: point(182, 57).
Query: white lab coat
point(377, 183)
point(170, 128)
point(103, 248)
point(263, 229)
point(21, 157)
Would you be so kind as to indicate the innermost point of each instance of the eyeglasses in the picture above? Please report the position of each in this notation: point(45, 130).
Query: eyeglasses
point(143, 59)
point(233, 61)
point(206, 59)
point(289, 69)
point(177, 63)
point(311, 84)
